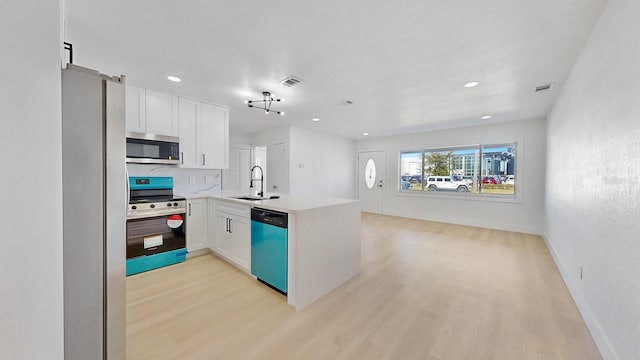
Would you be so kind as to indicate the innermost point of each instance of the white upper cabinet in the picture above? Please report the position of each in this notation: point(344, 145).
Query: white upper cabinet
point(136, 118)
point(204, 135)
point(162, 114)
point(151, 112)
point(188, 133)
point(214, 136)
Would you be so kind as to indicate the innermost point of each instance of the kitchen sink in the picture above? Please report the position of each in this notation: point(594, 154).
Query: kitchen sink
point(250, 198)
point(253, 198)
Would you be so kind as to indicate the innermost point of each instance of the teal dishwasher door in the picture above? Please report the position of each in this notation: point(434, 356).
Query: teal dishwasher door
point(269, 254)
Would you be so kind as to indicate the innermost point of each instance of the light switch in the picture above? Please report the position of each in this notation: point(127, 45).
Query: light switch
point(192, 180)
point(208, 179)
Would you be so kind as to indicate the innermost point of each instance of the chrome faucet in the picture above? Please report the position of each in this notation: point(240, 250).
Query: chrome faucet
point(261, 179)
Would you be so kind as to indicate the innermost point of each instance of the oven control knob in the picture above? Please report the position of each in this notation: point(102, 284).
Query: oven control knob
point(152, 206)
point(175, 204)
point(134, 207)
point(169, 204)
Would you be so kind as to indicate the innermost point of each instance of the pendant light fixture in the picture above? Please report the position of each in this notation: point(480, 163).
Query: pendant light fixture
point(265, 103)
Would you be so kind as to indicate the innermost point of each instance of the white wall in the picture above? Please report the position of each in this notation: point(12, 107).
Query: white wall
point(321, 165)
point(31, 308)
point(317, 164)
point(238, 138)
point(277, 170)
point(526, 215)
point(593, 181)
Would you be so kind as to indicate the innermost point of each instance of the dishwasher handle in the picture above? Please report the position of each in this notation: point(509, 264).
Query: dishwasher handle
point(275, 218)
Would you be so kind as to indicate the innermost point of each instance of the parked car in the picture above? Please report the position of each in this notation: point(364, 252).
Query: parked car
point(435, 183)
point(490, 180)
point(468, 180)
point(511, 180)
point(416, 179)
point(404, 185)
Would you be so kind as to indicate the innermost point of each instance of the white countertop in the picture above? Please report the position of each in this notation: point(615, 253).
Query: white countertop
point(285, 203)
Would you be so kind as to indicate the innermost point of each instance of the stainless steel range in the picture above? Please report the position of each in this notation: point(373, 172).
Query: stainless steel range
point(155, 224)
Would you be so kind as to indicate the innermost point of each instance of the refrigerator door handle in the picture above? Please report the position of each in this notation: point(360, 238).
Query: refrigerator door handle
point(126, 177)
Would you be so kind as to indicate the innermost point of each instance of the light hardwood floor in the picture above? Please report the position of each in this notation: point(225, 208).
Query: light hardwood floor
point(427, 291)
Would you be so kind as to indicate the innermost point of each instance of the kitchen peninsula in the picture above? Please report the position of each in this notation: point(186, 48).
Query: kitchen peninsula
point(323, 246)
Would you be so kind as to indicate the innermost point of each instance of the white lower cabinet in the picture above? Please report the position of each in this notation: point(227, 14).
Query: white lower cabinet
point(197, 227)
point(233, 233)
point(211, 236)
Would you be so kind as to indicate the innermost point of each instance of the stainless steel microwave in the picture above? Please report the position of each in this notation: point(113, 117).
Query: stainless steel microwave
point(152, 149)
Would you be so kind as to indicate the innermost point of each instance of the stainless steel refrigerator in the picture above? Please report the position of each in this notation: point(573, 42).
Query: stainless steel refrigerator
point(94, 213)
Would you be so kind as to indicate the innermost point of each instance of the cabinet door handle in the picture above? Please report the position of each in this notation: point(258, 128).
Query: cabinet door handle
point(189, 209)
point(227, 224)
point(182, 158)
point(203, 160)
point(230, 227)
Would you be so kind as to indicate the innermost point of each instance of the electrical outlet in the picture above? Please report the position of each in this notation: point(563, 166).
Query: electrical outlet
point(208, 179)
point(301, 166)
point(580, 271)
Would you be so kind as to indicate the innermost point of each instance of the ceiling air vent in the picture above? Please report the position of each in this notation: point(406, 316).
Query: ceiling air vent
point(545, 87)
point(291, 81)
point(346, 103)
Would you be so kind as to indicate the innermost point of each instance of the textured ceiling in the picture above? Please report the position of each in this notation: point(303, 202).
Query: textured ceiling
point(402, 63)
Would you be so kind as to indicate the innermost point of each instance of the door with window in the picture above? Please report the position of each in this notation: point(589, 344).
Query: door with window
point(371, 180)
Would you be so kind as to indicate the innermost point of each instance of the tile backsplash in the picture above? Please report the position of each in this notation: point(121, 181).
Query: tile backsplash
point(186, 182)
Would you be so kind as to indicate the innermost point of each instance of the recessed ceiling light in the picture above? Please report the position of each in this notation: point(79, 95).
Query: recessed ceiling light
point(486, 117)
point(174, 78)
point(315, 119)
point(471, 84)
point(365, 134)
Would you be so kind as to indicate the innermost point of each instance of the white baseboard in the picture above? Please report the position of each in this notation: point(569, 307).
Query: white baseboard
point(535, 230)
point(599, 336)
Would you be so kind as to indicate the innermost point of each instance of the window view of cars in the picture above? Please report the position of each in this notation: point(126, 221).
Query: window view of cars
point(446, 183)
point(486, 169)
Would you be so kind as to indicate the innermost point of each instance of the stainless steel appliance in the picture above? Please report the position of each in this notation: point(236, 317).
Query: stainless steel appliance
point(155, 224)
point(152, 149)
point(94, 210)
point(269, 239)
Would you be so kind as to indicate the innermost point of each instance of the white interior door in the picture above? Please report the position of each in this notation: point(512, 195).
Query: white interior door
point(371, 180)
point(278, 164)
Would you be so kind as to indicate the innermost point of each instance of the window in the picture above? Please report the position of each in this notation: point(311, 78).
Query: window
point(479, 169)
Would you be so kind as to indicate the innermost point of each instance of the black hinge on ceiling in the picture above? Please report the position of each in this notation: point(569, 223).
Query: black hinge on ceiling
point(69, 48)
